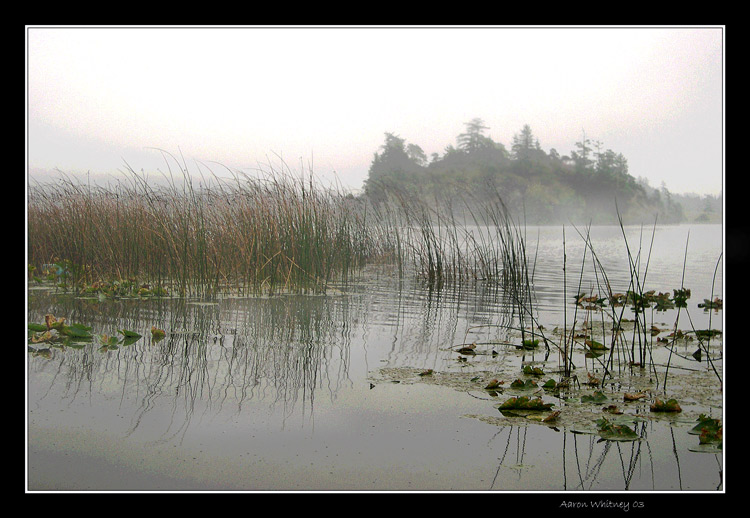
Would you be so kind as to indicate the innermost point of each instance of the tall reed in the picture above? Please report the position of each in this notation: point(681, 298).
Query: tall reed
point(245, 234)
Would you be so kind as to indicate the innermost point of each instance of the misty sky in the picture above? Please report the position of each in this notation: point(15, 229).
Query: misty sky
point(324, 97)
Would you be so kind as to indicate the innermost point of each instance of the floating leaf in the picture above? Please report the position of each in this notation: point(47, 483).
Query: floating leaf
point(493, 384)
point(705, 423)
point(467, 349)
point(525, 403)
point(634, 397)
point(52, 322)
point(711, 304)
point(45, 337)
point(76, 331)
point(44, 353)
point(597, 397)
point(519, 384)
point(157, 334)
point(108, 340)
point(549, 384)
point(615, 432)
point(534, 371)
point(671, 405)
point(592, 380)
point(595, 346)
point(129, 334)
point(711, 436)
point(37, 327)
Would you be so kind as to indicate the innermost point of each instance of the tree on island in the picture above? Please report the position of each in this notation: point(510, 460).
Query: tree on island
point(546, 187)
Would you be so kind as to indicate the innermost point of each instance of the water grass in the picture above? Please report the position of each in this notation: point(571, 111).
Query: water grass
point(198, 234)
point(246, 234)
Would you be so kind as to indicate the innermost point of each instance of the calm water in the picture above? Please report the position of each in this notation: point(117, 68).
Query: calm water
point(289, 392)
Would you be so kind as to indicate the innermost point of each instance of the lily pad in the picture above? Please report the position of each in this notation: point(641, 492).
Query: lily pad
point(596, 397)
point(75, 331)
point(615, 432)
point(524, 385)
point(493, 384)
point(157, 334)
point(628, 396)
point(533, 371)
point(705, 423)
point(595, 346)
point(129, 334)
point(670, 405)
point(525, 403)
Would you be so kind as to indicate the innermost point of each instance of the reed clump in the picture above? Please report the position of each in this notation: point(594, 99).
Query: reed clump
point(245, 234)
point(274, 231)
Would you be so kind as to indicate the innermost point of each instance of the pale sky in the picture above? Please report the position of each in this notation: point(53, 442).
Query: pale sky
point(324, 97)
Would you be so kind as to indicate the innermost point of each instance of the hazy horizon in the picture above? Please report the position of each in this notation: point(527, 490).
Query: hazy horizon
point(322, 98)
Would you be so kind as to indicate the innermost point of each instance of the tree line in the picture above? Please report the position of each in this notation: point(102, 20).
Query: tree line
point(542, 187)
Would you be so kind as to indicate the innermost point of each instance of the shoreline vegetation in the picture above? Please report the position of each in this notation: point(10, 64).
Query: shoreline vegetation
point(201, 237)
point(545, 187)
point(209, 236)
point(278, 232)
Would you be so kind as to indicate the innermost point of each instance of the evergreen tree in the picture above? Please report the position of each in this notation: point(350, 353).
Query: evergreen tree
point(474, 139)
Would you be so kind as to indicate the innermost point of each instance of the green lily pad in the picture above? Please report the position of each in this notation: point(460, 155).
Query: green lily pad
point(76, 331)
point(129, 334)
point(595, 346)
point(534, 371)
point(596, 397)
point(615, 432)
point(157, 334)
point(705, 423)
point(670, 405)
point(525, 403)
point(523, 385)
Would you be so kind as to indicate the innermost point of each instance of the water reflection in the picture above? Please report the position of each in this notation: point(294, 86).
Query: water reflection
point(273, 362)
point(214, 355)
point(656, 460)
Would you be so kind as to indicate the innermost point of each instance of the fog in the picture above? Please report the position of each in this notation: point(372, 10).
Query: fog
point(101, 99)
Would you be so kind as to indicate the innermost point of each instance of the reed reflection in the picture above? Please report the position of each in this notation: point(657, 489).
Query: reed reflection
point(214, 356)
point(588, 462)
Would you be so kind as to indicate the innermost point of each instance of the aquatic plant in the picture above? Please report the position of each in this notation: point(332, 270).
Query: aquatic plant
point(274, 231)
point(524, 403)
point(613, 431)
point(157, 334)
point(670, 405)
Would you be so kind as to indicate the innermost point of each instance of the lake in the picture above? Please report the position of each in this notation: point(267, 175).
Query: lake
point(362, 388)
